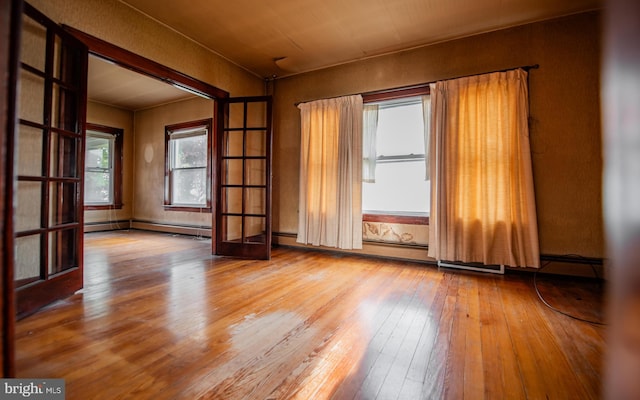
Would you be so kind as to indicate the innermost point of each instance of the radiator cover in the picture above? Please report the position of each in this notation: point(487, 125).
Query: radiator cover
point(492, 269)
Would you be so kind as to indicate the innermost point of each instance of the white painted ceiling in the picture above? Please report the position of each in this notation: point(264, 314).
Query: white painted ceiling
point(119, 87)
point(284, 37)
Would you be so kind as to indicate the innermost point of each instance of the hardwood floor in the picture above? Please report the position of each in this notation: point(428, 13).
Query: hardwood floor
point(160, 318)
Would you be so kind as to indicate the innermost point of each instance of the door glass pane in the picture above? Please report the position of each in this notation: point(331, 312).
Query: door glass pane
point(63, 156)
point(29, 151)
point(232, 172)
point(67, 67)
point(255, 201)
point(31, 97)
point(189, 186)
point(64, 106)
point(256, 114)
point(236, 115)
point(256, 172)
point(255, 228)
point(231, 200)
point(57, 58)
point(231, 228)
point(232, 144)
point(62, 250)
point(33, 44)
point(27, 264)
point(256, 143)
point(28, 206)
point(62, 203)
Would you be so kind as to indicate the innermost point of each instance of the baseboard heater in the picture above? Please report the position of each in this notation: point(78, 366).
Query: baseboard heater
point(492, 269)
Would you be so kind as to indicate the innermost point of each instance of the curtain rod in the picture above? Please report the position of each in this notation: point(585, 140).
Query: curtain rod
point(421, 85)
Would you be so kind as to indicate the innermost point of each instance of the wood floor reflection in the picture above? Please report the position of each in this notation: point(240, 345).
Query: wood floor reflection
point(160, 318)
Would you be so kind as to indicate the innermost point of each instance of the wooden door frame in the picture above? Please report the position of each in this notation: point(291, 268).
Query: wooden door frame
point(10, 26)
point(136, 63)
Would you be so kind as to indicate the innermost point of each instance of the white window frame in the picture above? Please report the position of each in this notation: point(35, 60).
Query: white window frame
point(373, 214)
point(174, 133)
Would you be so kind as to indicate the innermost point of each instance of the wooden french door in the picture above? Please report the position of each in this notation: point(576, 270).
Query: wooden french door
point(49, 150)
point(243, 155)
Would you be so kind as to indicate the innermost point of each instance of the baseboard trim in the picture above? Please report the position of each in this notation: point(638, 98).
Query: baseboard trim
point(570, 265)
point(402, 252)
point(193, 230)
point(107, 226)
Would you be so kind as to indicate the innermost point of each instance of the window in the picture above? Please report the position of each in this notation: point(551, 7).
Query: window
point(103, 168)
point(399, 187)
point(188, 166)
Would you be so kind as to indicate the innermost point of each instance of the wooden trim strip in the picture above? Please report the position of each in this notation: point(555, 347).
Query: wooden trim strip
point(396, 219)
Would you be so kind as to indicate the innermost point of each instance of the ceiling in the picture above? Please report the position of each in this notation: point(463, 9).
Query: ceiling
point(279, 38)
point(119, 87)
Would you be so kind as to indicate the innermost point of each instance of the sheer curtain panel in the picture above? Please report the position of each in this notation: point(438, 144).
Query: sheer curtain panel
point(330, 202)
point(369, 132)
point(482, 198)
point(426, 116)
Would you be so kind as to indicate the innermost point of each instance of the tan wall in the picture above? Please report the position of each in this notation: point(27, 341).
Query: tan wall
point(149, 143)
point(123, 26)
point(565, 117)
point(123, 119)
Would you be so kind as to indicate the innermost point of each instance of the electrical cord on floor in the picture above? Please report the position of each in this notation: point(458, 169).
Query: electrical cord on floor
point(535, 285)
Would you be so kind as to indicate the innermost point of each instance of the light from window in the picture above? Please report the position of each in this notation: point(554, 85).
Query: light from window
point(188, 166)
point(98, 185)
point(400, 186)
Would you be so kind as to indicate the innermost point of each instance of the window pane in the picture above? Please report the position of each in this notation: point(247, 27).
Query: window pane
point(400, 129)
point(189, 152)
point(97, 187)
point(189, 186)
point(399, 187)
point(98, 179)
point(98, 152)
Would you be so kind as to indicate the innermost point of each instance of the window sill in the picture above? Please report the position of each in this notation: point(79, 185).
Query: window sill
point(91, 207)
point(187, 208)
point(396, 219)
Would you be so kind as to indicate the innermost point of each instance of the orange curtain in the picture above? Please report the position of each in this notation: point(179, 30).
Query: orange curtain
point(482, 198)
point(330, 202)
